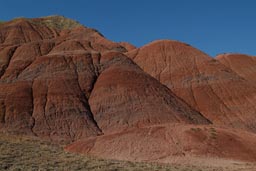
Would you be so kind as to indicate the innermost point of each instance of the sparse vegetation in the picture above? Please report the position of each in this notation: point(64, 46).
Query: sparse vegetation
point(196, 129)
point(213, 130)
point(213, 133)
point(57, 22)
point(24, 153)
point(19, 18)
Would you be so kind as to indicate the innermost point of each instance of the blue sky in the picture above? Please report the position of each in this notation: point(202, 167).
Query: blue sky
point(213, 26)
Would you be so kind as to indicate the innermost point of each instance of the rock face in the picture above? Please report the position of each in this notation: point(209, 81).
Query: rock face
point(204, 83)
point(243, 65)
point(65, 82)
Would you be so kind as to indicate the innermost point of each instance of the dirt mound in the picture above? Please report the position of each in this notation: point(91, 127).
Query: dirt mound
point(73, 83)
point(171, 143)
point(165, 101)
point(46, 77)
point(124, 96)
point(243, 65)
point(221, 95)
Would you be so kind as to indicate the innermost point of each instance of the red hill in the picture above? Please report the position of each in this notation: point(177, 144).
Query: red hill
point(164, 102)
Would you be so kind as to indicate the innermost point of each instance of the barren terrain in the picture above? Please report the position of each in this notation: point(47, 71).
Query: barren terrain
point(18, 153)
point(70, 99)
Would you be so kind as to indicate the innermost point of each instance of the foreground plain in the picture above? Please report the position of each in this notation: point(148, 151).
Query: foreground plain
point(19, 153)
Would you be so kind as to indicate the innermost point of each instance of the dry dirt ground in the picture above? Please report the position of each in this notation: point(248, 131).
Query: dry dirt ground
point(30, 154)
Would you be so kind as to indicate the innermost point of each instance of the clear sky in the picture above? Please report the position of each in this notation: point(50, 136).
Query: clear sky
point(213, 26)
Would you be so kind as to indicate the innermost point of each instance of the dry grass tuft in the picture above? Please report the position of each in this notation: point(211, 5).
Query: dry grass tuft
point(19, 153)
point(57, 22)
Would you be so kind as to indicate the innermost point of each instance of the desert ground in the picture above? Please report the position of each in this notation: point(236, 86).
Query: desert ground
point(18, 153)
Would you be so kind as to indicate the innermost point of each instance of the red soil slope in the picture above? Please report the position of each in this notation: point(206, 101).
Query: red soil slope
point(221, 95)
point(165, 101)
point(124, 96)
point(243, 65)
point(47, 74)
point(171, 143)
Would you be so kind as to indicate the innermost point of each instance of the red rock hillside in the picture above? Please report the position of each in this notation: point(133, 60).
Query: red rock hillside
point(164, 102)
point(48, 69)
point(215, 90)
point(243, 65)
